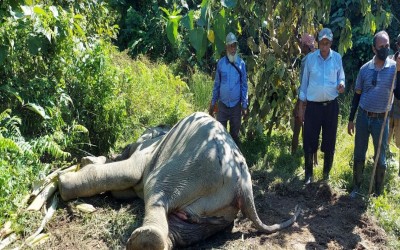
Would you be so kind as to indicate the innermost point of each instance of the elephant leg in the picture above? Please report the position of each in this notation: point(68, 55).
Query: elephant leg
point(154, 232)
point(97, 178)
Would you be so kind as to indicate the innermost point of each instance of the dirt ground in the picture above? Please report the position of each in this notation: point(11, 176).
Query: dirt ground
point(328, 221)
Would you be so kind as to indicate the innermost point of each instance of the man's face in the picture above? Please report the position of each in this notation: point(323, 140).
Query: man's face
point(231, 48)
point(304, 48)
point(324, 46)
point(381, 42)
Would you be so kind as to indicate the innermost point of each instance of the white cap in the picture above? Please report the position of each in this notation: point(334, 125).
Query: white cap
point(231, 38)
point(325, 33)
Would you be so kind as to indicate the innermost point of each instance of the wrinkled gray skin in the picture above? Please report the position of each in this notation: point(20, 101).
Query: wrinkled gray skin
point(194, 180)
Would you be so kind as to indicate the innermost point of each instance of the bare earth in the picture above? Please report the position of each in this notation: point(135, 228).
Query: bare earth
point(328, 221)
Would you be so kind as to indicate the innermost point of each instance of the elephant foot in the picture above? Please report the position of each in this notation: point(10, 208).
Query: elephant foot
point(146, 238)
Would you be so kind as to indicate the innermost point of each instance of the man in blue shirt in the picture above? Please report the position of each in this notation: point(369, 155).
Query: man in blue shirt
point(373, 98)
point(230, 89)
point(322, 81)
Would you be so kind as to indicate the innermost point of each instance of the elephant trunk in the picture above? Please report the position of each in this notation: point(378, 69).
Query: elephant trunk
point(97, 178)
point(248, 208)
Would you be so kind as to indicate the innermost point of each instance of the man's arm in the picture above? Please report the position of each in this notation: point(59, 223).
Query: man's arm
point(353, 110)
point(341, 77)
point(215, 92)
point(244, 87)
point(397, 89)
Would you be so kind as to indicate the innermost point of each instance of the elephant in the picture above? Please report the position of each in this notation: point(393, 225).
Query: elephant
point(193, 180)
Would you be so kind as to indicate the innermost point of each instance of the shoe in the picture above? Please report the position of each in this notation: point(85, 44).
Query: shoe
point(358, 169)
point(355, 192)
point(308, 167)
point(379, 179)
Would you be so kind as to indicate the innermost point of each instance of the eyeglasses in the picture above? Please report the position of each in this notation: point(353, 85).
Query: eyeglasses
point(374, 78)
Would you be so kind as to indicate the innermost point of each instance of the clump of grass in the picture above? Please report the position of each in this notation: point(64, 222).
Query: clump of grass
point(201, 86)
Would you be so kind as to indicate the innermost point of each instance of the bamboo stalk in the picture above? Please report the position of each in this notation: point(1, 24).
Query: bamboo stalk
point(43, 196)
point(33, 238)
point(40, 238)
point(6, 230)
point(40, 185)
point(7, 241)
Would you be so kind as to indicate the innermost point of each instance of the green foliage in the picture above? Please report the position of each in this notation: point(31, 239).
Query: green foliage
point(201, 86)
point(151, 96)
point(143, 28)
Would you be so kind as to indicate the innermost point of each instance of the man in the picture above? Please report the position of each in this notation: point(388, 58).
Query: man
point(394, 120)
point(230, 89)
point(322, 81)
point(306, 45)
point(372, 97)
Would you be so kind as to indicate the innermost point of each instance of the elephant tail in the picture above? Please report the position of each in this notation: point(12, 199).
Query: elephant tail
point(247, 206)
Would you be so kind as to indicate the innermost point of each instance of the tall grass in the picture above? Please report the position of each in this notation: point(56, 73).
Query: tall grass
point(201, 86)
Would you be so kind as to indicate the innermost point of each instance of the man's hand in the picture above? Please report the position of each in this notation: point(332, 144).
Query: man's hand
point(211, 109)
point(245, 112)
point(398, 63)
point(300, 114)
point(350, 128)
point(340, 88)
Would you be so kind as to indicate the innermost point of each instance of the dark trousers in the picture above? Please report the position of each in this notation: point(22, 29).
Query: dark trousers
point(233, 115)
point(320, 116)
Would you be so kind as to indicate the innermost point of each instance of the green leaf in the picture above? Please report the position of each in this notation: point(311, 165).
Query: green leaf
point(34, 44)
point(202, 21)
point(166, 11)
point(9, 90)
point(79, 29)
point(37, 109)
point(187, 20)
point(78, 16)
point(3, 53)
point(198, 39)
point(39, 11)
point(229, 3)
point(219, 26)
point(172, 28)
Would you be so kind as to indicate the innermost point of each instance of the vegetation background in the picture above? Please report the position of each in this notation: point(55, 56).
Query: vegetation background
point(87, 77)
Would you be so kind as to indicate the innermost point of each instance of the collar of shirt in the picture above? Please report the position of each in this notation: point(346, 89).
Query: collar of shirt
point(329, 55)
point(371, 64)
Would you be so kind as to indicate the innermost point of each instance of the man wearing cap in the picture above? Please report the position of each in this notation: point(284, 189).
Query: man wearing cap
point(230, 89)
point(373, 98)
point(322, 81)
point(306, 45)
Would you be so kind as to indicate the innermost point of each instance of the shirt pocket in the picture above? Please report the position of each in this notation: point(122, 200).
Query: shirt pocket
point(224, 77)
point(315, 72)
point(333, 76)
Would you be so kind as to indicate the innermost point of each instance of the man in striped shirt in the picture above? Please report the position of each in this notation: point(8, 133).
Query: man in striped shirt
point(376, 82)
point(322, 81)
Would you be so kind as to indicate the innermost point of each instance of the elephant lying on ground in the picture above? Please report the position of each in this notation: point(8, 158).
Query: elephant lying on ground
point(193, 180)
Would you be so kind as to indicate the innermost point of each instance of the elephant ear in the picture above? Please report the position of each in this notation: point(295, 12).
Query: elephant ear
point(154, 132)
